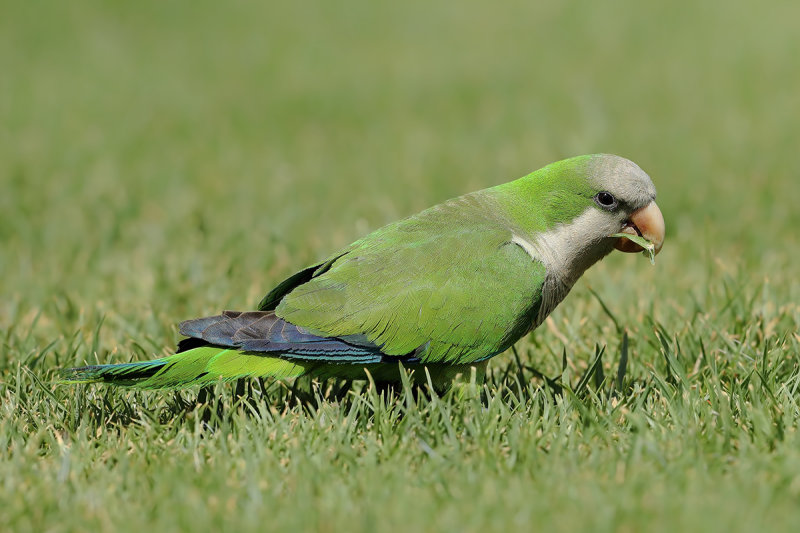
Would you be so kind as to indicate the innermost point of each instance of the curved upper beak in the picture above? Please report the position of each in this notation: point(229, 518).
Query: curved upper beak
point(647, 222)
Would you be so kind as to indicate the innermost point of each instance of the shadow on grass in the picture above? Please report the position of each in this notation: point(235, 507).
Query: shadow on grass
point(595, 393)
point(214, 406)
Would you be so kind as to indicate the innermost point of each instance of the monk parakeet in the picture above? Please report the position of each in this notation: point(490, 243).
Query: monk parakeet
point(447, 289)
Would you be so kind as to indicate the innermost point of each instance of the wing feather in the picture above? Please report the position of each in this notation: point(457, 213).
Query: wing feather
point(447, 284)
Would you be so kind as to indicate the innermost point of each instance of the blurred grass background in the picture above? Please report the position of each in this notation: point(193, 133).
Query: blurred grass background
point(165, 160)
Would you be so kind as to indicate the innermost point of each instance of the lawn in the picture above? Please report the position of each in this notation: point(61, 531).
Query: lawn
point(166, 160)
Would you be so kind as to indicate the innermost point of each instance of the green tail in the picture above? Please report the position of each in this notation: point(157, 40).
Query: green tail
point(209, 364)
point(199, 366)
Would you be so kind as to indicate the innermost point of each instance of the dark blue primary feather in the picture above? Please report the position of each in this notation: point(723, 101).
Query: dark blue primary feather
point(262, 331)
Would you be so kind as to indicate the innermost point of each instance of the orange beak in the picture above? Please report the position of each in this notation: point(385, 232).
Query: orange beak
point(647, 222)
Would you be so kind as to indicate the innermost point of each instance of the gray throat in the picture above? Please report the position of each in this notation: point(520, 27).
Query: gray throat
point(566, 252)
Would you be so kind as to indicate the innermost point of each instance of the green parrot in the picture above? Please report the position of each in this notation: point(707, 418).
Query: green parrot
point(446, 289)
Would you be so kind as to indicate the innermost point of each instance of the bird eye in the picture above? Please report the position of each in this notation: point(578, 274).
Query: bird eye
point(605, 200)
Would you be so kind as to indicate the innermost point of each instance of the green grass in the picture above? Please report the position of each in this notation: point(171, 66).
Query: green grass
point(166, 160)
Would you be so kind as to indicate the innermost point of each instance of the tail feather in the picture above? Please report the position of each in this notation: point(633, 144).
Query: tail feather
point(237, 345)
point(125, 374)
point(198, 366)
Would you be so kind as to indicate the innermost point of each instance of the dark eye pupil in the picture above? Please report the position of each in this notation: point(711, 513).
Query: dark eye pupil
point(605, 198)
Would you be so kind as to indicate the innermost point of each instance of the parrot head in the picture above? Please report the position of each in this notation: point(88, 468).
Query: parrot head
point(586, 201)
point(625, 203)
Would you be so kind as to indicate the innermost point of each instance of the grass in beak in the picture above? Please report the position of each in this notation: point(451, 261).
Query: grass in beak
point(649, 247)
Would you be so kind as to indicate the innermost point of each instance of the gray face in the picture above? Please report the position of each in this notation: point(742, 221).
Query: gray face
point(630, 186)
point(624, 190)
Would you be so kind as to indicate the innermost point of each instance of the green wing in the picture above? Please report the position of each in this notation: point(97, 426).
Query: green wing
point(447, 285)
